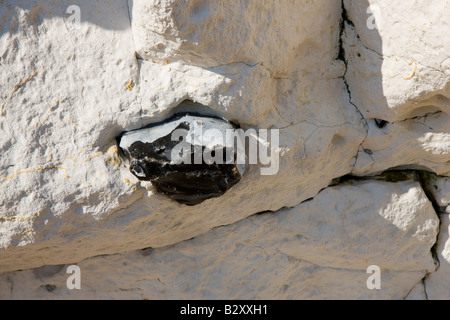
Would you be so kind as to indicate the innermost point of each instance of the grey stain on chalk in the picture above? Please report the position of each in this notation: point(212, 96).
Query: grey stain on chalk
point(171, 154)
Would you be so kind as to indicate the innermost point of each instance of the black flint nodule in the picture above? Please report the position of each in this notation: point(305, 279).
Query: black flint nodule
point(150, 153)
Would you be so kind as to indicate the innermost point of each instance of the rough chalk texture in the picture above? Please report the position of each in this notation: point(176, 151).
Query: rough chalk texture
point(355, 88)
point(298, 253)
point(438, 283)
point(399, 72)
point(66, 197)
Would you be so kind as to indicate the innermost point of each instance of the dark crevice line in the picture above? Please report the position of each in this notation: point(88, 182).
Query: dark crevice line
point(423, 177)
point(341, 56)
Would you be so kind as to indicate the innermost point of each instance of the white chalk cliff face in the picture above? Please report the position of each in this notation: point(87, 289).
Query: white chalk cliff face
point(359, 91)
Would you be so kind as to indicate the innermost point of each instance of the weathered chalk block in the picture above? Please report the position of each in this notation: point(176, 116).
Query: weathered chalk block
point(298, 253)
point(66, 193)
point(438, 283)
point(398, 71)
point(349, 99)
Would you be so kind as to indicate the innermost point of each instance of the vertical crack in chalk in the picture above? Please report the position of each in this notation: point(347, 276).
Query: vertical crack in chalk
point(423, 177)
point(341, 56)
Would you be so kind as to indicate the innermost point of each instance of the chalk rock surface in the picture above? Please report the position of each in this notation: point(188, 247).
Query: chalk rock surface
point(438, 283)
point(399, 72)
point(440, 188)
point(355, 88)
point(299, 253)
point(67, 194)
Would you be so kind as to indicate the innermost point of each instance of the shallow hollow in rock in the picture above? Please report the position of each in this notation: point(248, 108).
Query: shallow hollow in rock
point(188, 157)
